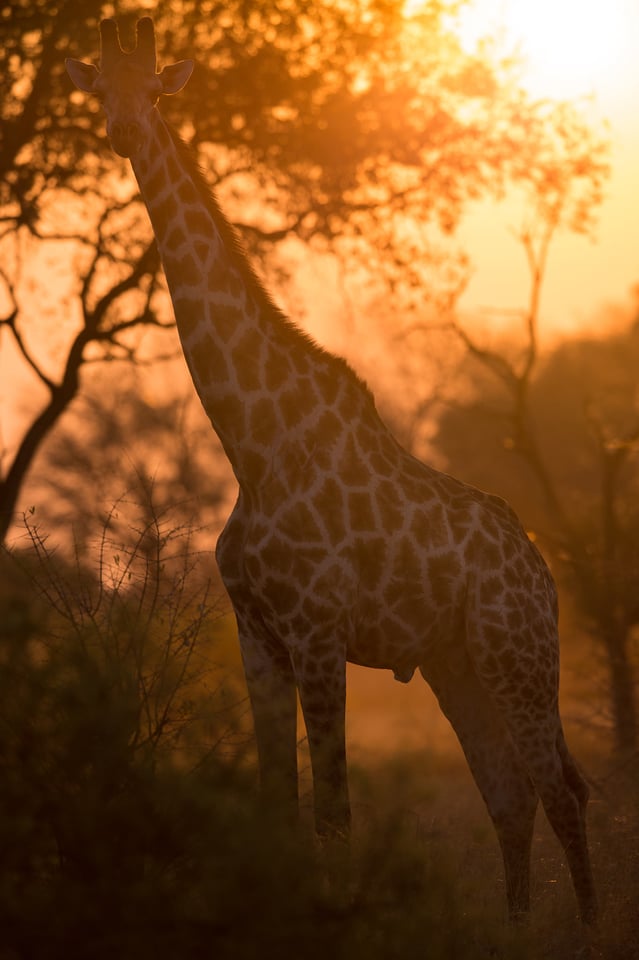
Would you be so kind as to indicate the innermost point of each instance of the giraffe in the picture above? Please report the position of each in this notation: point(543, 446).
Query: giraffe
point(342, 546)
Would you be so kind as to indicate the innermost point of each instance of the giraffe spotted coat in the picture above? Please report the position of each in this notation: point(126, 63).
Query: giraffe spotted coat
point(343, 547)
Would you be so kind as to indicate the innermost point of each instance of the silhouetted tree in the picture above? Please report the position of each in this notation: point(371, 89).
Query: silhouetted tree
point(111, 446)
point(354, 125)
point(558, 436)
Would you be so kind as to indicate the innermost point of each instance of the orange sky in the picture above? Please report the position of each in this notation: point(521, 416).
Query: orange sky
point(571, 48)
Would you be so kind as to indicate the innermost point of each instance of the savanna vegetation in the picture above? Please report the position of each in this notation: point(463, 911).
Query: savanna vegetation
point(128, 817)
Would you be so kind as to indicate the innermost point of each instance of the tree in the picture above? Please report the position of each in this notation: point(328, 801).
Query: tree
point(570, 419)
point(562, 190)
point(114, 447)
point(356, 126)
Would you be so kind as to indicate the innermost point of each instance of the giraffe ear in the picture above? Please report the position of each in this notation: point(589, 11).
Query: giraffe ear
point(83, 75)
point(175, 75)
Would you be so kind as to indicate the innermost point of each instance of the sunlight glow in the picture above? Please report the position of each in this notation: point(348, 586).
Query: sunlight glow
point(568, 48)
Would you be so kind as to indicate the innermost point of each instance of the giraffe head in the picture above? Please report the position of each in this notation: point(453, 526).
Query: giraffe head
point(127, 83)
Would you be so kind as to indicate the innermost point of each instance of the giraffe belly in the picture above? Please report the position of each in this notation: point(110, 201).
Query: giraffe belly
point(397, 652)
point(403, 636)
point(403, 672)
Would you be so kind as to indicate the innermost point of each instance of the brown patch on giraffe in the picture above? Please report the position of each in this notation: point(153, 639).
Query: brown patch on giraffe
point(234, 414)
point(277, 368)
point(247, 360)
point(263, 421)
point(443, 570)
point(371, 561)
point(509, 548)
point(187, 193)
point(275, 491)
point(515, 619)
point(217, 274)
point(227, 320)
point(293, 406)
point(328, 385)
point(202, 251)
point(254, 468)
point(209, 362)
point(429, 526)
point(300, 524)
point(279, 559)
point(143, 165)
point(406, 563)
point(514, 572)
point(155, 185)
point(282, 594)
point(188, 314)
point(330, 505)
point(483, 552)
point(299, 362)
point(173, 170)
point(164, 211)
point(234, 285)
point(349, 404)
point(304, 567)
point(391, 626)
point(290, 466)
point(380, 463)
point(353, 471)
point(389, 506)
point(164, 141)
point(491, 590)
point(314, 611)
point(359, 508)
point(176, 237)
point(323, 648)
point(198, 222)
point(490, 525)
point(188, 271)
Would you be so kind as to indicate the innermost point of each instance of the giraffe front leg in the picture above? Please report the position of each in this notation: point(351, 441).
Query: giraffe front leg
point(323, 698)
point(273, 694)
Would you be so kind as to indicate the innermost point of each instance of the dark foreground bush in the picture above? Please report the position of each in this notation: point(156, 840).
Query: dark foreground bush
point(112, 849)
point(128, 821)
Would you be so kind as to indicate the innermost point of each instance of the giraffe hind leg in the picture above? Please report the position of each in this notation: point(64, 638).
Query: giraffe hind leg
point(565, 804)
point(572, 774)
point(535, 728)
point(498, 770)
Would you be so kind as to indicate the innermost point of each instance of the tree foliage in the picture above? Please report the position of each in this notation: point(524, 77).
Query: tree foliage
point(356, 127)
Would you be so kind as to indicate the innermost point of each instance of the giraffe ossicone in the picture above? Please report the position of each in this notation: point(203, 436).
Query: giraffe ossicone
point(342, 546)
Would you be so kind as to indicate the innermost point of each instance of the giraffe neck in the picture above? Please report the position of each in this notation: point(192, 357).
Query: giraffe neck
point(257, 375)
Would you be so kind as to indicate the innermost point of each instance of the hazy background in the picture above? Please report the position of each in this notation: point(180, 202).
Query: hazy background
point(446, 194)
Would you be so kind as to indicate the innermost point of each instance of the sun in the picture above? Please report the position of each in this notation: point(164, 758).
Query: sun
point(569, 48)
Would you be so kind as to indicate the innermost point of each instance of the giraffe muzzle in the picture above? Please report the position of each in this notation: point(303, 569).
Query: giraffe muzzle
point(126, 138)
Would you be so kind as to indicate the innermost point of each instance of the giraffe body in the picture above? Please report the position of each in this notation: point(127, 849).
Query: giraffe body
point(342, 546)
